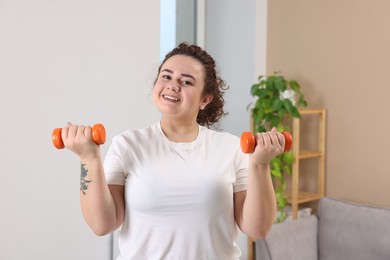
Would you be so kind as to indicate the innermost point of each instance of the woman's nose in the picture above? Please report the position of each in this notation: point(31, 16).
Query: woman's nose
point(175, 87)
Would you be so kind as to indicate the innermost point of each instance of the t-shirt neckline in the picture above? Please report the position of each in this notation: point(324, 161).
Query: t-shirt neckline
point(181, 145)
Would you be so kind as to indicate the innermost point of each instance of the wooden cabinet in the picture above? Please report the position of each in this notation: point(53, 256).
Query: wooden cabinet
point(297, 195)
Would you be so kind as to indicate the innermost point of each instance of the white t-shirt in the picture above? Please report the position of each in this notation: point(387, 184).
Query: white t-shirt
point(178, 196)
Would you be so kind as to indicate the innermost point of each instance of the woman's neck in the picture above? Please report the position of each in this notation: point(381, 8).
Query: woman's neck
point(180, 132)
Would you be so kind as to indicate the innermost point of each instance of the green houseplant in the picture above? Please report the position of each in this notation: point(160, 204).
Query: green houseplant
point(276, 102)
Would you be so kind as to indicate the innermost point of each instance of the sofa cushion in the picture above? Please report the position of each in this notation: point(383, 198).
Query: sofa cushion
point(292, 240)
point(353, 231)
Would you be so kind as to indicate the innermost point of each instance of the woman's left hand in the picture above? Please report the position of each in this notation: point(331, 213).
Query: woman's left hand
point(268, 145)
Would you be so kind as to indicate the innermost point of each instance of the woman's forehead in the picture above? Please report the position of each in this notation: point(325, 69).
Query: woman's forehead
point(183, 64)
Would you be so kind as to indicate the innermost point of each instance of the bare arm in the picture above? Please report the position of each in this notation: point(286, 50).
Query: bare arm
point(102, 205)
point(255, 209)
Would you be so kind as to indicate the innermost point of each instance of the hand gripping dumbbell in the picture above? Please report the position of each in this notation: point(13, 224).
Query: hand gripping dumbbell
point(98, 136)
point(248, 142)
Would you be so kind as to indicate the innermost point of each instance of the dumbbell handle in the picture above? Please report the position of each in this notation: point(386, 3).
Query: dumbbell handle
point(248, 142)
point(98, 136)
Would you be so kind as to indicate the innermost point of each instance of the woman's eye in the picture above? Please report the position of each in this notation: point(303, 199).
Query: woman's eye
point(186, 82)
point(166, 77)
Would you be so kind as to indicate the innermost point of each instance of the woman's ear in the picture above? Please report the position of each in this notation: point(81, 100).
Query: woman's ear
point(205, 101)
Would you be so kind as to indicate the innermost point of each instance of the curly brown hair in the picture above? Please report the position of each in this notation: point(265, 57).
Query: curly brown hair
point(213, 84)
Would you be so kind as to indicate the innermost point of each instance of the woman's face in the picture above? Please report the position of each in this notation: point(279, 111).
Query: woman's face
point(179, 87)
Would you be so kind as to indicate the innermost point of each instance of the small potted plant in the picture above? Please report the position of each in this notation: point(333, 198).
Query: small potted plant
point(276, 102)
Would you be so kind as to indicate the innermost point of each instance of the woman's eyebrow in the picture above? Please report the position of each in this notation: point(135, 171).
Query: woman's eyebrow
point(167, 70)
point(189, 76)
point(183, 74)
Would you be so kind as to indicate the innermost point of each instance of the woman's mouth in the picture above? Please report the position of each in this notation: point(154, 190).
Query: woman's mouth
point(171, 98)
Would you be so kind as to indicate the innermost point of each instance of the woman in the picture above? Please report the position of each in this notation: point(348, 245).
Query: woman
point(178, 189)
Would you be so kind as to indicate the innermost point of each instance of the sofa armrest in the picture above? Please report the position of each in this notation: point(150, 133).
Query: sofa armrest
point(293, 240)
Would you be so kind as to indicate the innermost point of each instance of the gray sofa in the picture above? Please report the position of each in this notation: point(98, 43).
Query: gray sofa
point(341, 231)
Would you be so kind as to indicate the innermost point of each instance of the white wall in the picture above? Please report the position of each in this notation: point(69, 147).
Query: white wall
point(236, 37)
point(81, 61)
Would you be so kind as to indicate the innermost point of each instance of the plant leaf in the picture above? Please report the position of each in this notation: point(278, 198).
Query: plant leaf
point(280, 84)
point(254, 89)
point(294, 112)
point(294, 85)
point(277, 104)
point(288, 105)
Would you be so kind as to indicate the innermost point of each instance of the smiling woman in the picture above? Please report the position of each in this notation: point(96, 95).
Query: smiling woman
point(178, 189)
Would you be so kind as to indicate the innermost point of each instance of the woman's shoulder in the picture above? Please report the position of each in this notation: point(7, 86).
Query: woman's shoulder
point(222, 133)
point(221, 136)
point(137, 135)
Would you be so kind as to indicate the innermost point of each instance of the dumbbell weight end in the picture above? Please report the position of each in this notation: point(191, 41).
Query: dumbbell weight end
point(57, 139)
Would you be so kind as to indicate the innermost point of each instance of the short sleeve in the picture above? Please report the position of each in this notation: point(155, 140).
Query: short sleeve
point(113, 163)
point(241, 170)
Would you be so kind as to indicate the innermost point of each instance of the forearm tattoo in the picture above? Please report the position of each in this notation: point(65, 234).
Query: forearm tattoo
point(83, 182)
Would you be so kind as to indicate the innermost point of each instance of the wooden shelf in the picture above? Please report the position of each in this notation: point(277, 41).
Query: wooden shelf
point(296, 196)
point(304, 197)
point(310, 111)
point(305, 154)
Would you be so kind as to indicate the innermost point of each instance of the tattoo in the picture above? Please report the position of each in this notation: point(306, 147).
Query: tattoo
point(83, 182)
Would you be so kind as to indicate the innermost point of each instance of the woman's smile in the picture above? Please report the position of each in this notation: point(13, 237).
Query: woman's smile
point(171, 98)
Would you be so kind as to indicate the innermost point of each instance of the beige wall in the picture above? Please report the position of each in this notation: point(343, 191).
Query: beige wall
point(339, 51)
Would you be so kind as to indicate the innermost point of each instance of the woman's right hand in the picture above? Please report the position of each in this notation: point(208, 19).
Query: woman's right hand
point(78, 139)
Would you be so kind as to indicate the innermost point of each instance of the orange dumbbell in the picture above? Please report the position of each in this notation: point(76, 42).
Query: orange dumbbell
point(98, 136)
point(248, 142)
